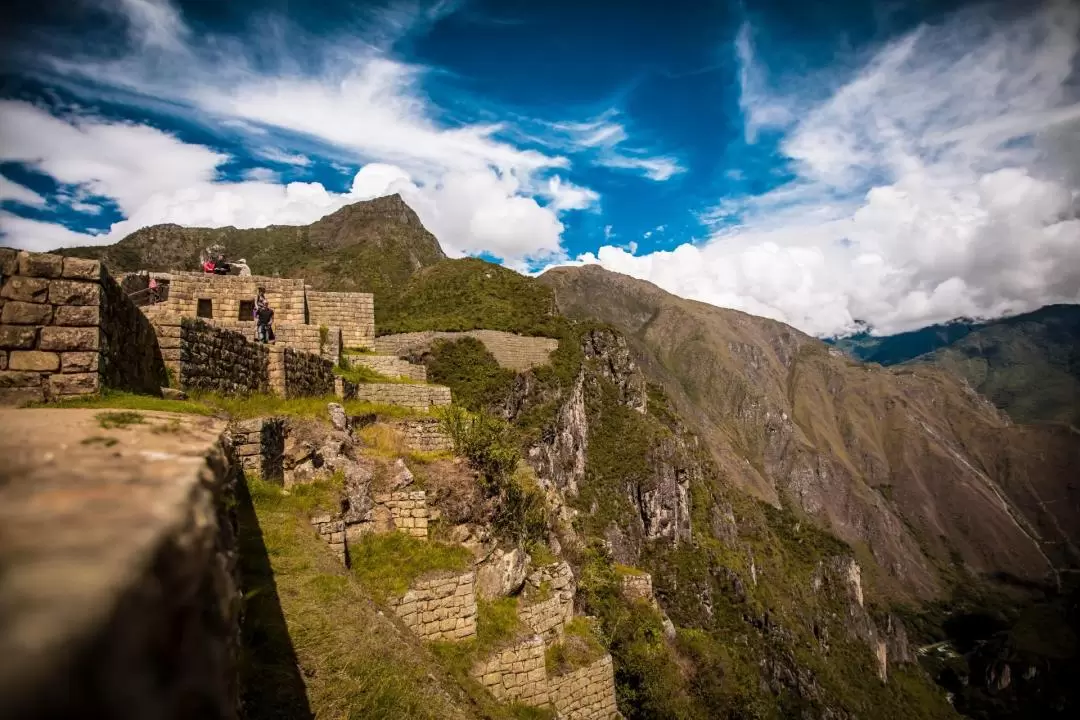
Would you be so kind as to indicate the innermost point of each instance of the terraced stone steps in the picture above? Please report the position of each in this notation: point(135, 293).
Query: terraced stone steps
point(390, 366)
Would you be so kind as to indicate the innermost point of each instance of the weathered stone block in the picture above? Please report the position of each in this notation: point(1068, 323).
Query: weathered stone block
point(17, 312)
point(17, 337)
point(74, 292)
point(81, 269)
point(13, 379)
point(73, 362)
point(40, 265)
point(68, 338)
point(74, 384)
point(35, 360)
point(77, 315)
point(9, 261)
point(25, 289)
point(3, 359)
point(21, 395)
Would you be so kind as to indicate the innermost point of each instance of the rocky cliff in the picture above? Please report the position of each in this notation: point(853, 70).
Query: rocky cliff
point(908, 465)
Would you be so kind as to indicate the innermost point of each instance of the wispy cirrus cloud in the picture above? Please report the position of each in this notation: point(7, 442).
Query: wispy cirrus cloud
point(937, 180)
point(606, 139)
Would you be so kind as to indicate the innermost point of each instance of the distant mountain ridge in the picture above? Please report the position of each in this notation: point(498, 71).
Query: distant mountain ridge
point(1028, 364)
point(371, 246)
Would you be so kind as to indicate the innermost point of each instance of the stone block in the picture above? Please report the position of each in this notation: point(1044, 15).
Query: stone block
point(73, 362)
point(73, 384)
point(68, 339)
point(40, 265)
point(9, 261)
point(77, 315)
point(81, 269)
point(3, 359)
point(74, 292)
point(19, 379)
point(35, 360)
point(17, 337)
point(21, 395)
point(18, 312)
point(25, 289)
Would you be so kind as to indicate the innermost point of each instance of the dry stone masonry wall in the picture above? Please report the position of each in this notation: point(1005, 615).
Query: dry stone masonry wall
point(219, 360)
point(222, 295)
point(516, 674)
point(549, 616)
point(332, 530)
point(516, 352)
point(408, 511)
point(354, 313)
point(324, 341)
point(587, 693)
point(442, 608)
point(259, 445)
point(424, 435)
point(390, 366)
point(306, 375)
point(67, 329)
point(638, 586)
point(416, 397)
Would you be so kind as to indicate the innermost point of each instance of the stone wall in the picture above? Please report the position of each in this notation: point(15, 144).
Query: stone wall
point(587, 693)
point(441, 608)
point(556, 587)
point(121, 595)
point(332, 530)
point(516, 352)
point(67, 329)
point(407, 512)
point(167, 330)
point(226, 292)
point(307, 375)
point(259, 445)
point(424, 435)
point(301, 338)
point(516, 674)
point(353, 312)
point(417, 397)
point(219, 360)
point(390, 366)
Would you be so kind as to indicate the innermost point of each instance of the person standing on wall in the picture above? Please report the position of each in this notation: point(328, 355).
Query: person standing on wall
point(264, 316)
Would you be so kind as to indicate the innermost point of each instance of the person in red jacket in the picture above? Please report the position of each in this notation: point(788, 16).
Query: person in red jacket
point(208, 266)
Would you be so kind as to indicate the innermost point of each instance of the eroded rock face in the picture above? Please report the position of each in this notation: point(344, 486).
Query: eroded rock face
point(501, 573)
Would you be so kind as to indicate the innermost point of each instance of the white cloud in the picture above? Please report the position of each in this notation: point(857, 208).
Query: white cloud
point(935, 182)
point(760, 108)
point(473, 190)
point(567, 196)
point(13, 191)
point(606, 137)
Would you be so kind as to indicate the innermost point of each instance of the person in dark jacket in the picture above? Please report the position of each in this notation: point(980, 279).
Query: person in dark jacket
point(264, 318)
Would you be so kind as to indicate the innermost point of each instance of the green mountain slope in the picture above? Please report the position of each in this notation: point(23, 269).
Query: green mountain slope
point(373, 246)
point(893, 349)
point(1028, 365)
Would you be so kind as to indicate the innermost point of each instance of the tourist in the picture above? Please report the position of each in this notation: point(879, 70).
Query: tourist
point(208, 266)
point(220, 266)
point(153, 288)
point(264, 317)
point(242, 268)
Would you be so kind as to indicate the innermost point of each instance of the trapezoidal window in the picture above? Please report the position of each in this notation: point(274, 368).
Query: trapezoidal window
point(205, 308)
point(247, 310)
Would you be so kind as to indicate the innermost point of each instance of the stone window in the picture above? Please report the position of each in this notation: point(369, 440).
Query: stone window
point(205, 308)
point(247, 310)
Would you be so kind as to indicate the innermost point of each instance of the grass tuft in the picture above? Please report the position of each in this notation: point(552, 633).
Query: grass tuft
point(119, 420)
point(389, 564)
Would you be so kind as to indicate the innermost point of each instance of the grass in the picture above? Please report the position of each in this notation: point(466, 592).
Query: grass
point(580, 646)
point(496, 623)
point(381, 440)
point(314, 642)
point(238, 407)
point(119, 420)
point(388, 564)
point(100, 440)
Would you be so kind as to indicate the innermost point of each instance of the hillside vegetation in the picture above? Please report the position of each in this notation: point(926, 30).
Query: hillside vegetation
point(1028, 365)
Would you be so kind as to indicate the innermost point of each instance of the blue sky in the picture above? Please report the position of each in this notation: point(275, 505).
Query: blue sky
point(823, 163)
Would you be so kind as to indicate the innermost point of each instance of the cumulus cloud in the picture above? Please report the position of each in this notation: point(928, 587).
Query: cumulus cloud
point(935, 182)
point(476, 192)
